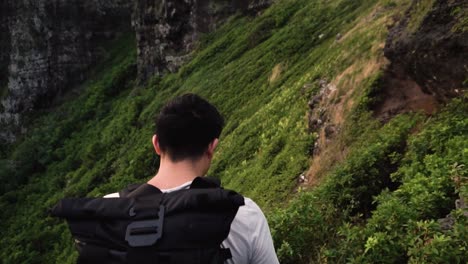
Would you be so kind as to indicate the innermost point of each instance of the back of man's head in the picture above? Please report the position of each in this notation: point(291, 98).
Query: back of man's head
point(186, 126)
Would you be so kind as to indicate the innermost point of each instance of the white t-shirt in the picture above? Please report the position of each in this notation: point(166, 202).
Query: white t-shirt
point(249, 239)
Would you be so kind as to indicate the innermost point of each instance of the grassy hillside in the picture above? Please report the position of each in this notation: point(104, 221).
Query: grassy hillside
point(381, 199)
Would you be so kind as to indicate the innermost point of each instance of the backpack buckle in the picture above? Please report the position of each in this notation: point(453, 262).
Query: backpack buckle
point(145, 232)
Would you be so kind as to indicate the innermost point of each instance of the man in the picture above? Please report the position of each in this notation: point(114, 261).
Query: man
point(187, 133)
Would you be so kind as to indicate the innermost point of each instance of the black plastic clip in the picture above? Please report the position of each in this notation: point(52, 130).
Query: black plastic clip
point(145, 232)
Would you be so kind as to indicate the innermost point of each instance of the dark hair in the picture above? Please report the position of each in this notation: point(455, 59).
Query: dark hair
point(186, 125)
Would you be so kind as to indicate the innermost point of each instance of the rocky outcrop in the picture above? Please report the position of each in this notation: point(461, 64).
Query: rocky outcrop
point(167, 30)
point(53, 43)
point(448, 221)
point(430, 46)
point(427, 49)
point(319, 116)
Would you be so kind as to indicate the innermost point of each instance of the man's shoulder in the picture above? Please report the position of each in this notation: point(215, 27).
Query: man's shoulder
point(250, 211)
point(248, 222)
point(249, 238)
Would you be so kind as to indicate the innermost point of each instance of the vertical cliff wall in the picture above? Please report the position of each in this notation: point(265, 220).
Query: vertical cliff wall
point(53, 43)
point(167, 30)
point(47, 47)
point(4, 47)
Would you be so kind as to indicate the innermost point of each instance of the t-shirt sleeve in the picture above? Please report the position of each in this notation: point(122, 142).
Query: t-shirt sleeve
point(263, 251)
point(112, 195)
point(249, 239)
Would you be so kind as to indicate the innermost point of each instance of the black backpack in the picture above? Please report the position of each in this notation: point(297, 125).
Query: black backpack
point(148, 226)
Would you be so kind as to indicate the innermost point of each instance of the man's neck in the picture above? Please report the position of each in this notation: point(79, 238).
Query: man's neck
point(173, 174)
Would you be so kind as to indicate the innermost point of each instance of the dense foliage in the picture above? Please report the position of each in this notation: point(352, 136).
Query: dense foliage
point(378, 205)
point(382, 204)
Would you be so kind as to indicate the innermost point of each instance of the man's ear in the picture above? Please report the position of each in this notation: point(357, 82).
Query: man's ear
point(156, 145)
point(211, 147)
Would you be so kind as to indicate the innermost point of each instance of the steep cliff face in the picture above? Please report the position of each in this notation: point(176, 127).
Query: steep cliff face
point(167, 30)
point(52, 45)
point(427, 48)
point(4, 47)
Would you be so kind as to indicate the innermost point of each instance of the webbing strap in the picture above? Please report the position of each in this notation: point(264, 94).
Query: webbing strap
point(145, 233)
point(147, 256)
point(225, 253)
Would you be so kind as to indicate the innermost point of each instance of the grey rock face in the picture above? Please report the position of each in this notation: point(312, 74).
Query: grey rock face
point(167, 30)
point(47, 46)
point(52, 44)
point(4, 46)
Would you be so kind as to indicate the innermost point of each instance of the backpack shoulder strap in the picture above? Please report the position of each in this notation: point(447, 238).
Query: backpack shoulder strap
point(134, 189)
point(130, 188)
point(205, 183)
point(141, 190)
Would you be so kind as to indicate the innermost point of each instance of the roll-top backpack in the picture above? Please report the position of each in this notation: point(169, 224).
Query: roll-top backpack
point(146, 225)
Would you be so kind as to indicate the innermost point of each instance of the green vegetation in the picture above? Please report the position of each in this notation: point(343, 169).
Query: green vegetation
point(381, 204)
point(418, 13)
point(461, 14)
point(378, 205)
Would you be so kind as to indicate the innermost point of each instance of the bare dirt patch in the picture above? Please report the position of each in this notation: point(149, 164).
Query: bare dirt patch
point(275, 73)
point(401, 94)
point(329, 110)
